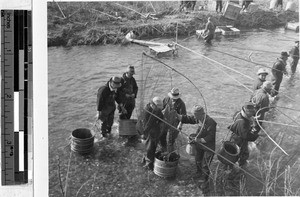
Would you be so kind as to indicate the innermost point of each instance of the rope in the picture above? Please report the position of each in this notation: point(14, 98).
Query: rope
point(205, 108)
point(256, 119)
point(280, 124)
point(214, 61)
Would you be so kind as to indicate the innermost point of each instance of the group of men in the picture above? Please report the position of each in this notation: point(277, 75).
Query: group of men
point(152, 126)
point(121, 90)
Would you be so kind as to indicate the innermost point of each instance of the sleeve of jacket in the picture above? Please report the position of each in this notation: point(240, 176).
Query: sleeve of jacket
point(135, 88)
point(239, 129)
point(211, 130)
point(188, 119)
point(276, 69)
point(182, 108)
point(100, 98)
point(119, 96)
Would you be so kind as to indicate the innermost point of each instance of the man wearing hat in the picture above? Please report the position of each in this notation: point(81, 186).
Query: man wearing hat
point(106, 97)
point(172, 104)
point(260, 99)
point(149, 126)
point(294, 53)
point(278, 69)
point(262, 74)
point(205, 142)
point(242, 132)
point(128, 90)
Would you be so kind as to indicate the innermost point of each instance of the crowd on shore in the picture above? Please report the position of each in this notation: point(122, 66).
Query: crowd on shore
point(156, 128)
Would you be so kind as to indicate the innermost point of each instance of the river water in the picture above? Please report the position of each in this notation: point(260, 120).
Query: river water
point(76, 73)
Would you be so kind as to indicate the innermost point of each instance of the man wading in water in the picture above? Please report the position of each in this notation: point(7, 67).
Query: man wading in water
point(106, 97)
point(205, 143)
point(242, 133)
point(278, 70)
point(209, 31)
point(129, 90)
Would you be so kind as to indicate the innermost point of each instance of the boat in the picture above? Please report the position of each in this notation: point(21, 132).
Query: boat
point(155, 47)
point(292, 26)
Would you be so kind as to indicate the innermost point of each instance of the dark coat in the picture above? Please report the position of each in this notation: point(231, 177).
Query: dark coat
point(178, 106)
point(241, 129)
point(208, 132)
point(210, 28)
point(279, 65)
point(106, 99)
point(129, 85)
point(294, 53)
point(149, 125)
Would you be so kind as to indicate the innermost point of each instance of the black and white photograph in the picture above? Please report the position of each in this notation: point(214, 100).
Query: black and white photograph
point(173, 98)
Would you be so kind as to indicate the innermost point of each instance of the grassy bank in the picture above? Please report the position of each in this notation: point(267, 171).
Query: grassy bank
point(98, 23)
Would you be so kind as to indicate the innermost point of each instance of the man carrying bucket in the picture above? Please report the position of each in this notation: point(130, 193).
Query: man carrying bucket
point(149, 125)
point(242, 132)
point(172, 104)
point(205, 141)
point(106, 97)
point(129, 90)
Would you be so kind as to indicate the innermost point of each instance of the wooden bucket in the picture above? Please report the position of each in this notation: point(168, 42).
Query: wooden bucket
point(165, 169)
point(127, 127)
point(190, 148)
point(82, 141)
point(230, 151)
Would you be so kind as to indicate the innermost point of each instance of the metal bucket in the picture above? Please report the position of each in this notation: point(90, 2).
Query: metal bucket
point(190, 148)
point(230, 151)
point(165, 169)
point(82, 141)
point(127, 127)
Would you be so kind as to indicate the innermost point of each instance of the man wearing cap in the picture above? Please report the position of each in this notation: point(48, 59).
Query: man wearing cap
point(294, 53)
point(106, 97)
point(170, 103)
point(260, 99)
point(278, 70)
point(262, 74)
point(242, 132)
point(205, 142)
point(128, 91)
point(149, 127)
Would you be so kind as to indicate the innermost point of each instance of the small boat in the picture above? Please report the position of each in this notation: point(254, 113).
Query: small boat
point(229, 30)
point(201, 32)
point(155, 47)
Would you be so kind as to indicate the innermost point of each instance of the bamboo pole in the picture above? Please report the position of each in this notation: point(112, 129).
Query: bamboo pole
point(105, 14)
point(60, 10)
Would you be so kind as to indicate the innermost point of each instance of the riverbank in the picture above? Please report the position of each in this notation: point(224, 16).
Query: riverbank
point(85, 24)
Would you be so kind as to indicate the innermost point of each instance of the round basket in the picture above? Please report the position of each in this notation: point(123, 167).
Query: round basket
point(82, 141)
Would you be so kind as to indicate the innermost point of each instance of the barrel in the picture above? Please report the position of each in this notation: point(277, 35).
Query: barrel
point(165, 169)
point(127, 127)
point(82, 141)
point(190, 148)
point(230, 151)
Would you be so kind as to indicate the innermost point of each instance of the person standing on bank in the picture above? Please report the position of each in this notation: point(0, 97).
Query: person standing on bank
point(294, 53)
point(205, 143)
point(262, 75)
point(242, 132)
point(106, 97)
point(209, 31)
point(149, 127)
point(129, 90)
point(174, 102)
point(219, 5)
point(278, 69)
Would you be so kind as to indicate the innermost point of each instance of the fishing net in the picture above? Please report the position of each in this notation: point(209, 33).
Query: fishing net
point(158, 77)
